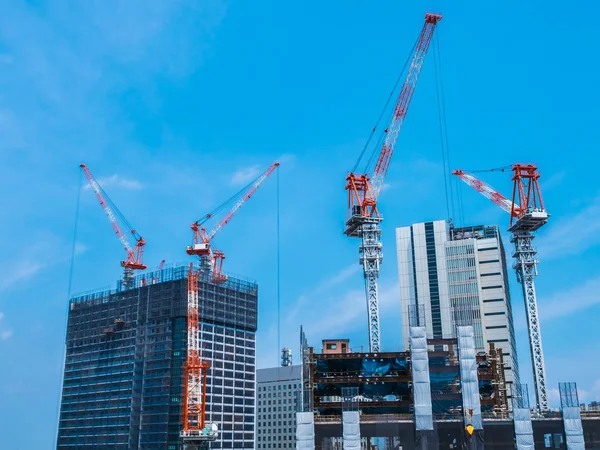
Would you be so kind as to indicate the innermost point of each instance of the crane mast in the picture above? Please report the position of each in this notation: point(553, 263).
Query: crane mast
point(363, 189)
point(524, 221)
point(211, 259)
point(135, 253)
point(195, 434)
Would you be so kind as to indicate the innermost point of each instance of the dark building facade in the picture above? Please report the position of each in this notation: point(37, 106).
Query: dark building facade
point(125, 350)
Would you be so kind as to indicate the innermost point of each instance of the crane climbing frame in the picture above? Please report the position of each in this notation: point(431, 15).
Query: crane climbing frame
point(526, 217)
point(364, 189)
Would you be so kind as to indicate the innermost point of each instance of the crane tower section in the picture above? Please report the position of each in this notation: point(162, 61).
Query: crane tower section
point(364, 188)
point(195, 433)
point(526, 217)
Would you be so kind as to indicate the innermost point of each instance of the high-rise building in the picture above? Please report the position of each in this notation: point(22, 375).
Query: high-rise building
point(453, 277)
point(277, 398)
point(125, 350)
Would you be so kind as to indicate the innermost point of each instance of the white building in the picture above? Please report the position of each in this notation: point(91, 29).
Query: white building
point(457, 276)
point(277, 397)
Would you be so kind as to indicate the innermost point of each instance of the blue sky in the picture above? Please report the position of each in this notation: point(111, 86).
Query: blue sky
point(174, 104)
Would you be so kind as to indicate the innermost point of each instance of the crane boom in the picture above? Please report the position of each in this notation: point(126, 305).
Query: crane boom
point(135, 252)
point(408, 89)
point(363, 189)
point(524, 221)
point(238, 204)
point(211, 258)
point(487, 191)
point(105, 206)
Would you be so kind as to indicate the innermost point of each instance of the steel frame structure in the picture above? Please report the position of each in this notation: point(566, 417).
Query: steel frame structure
point(364, 189)
point(524, 221)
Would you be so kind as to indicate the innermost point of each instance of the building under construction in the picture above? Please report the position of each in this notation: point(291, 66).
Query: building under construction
point(439, 394)
point(125, 354)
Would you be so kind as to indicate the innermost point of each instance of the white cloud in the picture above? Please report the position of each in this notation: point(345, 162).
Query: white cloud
point(565, 303)
point(584, 395)
point(245, 175)
point(553, 181)
point(345, 311)
point(23, 270)
point(116, 181)
point(4, 334)
point(573, 300)
point(572, 234)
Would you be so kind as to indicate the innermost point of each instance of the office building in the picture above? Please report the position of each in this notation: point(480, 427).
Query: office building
point(277, 398)
point(125, 351)
point(453, 277)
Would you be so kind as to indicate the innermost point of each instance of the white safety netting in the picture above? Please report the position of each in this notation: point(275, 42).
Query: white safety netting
point(468, 377)
point(351, 429)
point(573, 428)
point(420, 375)
point(523, 428)
point(305, 431)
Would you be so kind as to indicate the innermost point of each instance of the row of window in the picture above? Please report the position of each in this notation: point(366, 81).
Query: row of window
point(269, 445)
point(275, 438)
point(278, 387)
point(277, 408)
point(289, 416)
point(281, 431)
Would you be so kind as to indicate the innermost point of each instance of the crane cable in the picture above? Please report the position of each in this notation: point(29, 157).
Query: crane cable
point(381, 116)
point(228, 202)
point(69, 287)
point(494, 169)
point(278, 274)
point(441, 104)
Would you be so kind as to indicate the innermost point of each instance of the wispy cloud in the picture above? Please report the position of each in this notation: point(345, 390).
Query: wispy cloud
point(116, 181)
point(4, 334)
point(245, 175)
point(585, 395)
point(554, 180)
point(21, 271)
point(572, 301)
point(343, 312)
point(567, 302)
point(572, 234)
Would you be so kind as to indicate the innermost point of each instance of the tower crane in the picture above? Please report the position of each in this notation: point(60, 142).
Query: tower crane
point(364, 188)
point(195, 432)
point(526, 217)
point(211, 258)
point(135, 251)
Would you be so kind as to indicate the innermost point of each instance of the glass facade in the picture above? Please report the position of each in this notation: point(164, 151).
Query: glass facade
point(434, 287)
point(123, 379)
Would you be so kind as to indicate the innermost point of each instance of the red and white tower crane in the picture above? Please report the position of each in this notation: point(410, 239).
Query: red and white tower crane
point(526, 216)
point(364, 188)
point(195, 432)
point(135, 251)
point(210, 257)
